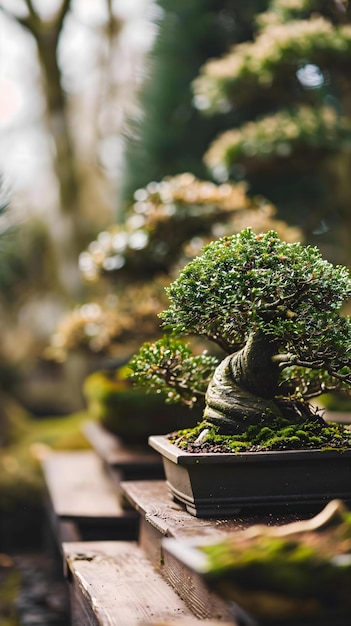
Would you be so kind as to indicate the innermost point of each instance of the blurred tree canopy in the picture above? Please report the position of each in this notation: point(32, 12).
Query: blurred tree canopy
point(69, 72)
point(76, 117)
point(291, 84)
point(170, 135)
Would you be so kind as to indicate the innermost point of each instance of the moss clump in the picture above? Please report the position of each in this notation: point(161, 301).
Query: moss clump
point(297, 569)
point(276, 434)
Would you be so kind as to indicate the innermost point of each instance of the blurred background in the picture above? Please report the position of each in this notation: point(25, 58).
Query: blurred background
point(132, 133)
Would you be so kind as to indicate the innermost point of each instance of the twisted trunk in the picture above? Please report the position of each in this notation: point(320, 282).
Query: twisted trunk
point(243, 387)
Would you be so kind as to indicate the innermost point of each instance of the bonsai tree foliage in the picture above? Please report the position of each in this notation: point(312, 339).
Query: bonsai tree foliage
point(168, 134)
point(273, 308)
point(167, 224)
point(291, 83)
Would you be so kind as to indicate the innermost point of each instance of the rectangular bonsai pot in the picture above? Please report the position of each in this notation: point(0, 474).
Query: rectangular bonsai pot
point(223, 484)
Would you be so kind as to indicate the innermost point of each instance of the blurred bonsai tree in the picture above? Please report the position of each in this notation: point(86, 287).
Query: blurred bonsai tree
point(169, 135)
point(273, 308)
point(131, 264)
point(291, 85)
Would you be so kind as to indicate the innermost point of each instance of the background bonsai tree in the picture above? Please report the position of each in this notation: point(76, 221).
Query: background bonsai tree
point(273, 309)
point(129, 264)
point(167, 135)
point(290, 89)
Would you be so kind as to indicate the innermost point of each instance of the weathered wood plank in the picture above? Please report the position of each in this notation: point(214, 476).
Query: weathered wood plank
point(161, 517)
point(80, 493)
point(123, 462)
point(194, 591)
point(153, 501)
point(114, 584)
point(78, 487)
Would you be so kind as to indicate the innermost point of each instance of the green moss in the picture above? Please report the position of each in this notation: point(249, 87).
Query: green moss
point(132, 413)
point(21, 479)
point(278, 434)
point(300, 565)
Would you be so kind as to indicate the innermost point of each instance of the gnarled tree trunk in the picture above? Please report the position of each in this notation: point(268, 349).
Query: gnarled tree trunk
point(243, 387)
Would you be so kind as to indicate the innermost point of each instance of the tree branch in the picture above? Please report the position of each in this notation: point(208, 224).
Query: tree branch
point(32, 12)
point(34, 23)
point(60, 16)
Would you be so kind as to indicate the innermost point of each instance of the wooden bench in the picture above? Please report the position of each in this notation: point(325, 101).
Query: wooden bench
point(128, 583)
point(117, 566)
point(82, 503)
point(123, 462)
point(161, 517)
point(114, 584)
point(110, 528)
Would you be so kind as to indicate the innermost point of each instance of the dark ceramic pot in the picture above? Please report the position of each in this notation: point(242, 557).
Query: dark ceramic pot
point(221, 485)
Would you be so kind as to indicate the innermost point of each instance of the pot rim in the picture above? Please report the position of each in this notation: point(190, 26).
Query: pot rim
point(161, 444)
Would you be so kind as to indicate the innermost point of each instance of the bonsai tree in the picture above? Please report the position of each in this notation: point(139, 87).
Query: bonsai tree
point(168, 134)
point(291, 86)
point(273, 309)
point(130, 263)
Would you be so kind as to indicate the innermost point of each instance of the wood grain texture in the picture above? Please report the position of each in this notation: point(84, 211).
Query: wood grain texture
point(78, 486)
point(153, 501)
point(115, 585)
point(194, 591)
point(111, 450)
point(161, 517)
point(82, 502)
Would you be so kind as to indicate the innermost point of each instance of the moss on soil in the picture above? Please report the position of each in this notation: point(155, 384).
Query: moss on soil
point(272, 434)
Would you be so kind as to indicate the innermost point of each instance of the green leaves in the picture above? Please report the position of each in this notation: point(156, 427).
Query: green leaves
point(260, 65)
point(242, 285)
point(248, 281)
point(169, 366)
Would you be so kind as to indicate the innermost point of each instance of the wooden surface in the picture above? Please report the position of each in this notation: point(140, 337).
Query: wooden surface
point(114, 584)
point(112, 451)
point(82, 501)
point(161, 517)
point(191, 587)
point(78, 486)
point(153, 501)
